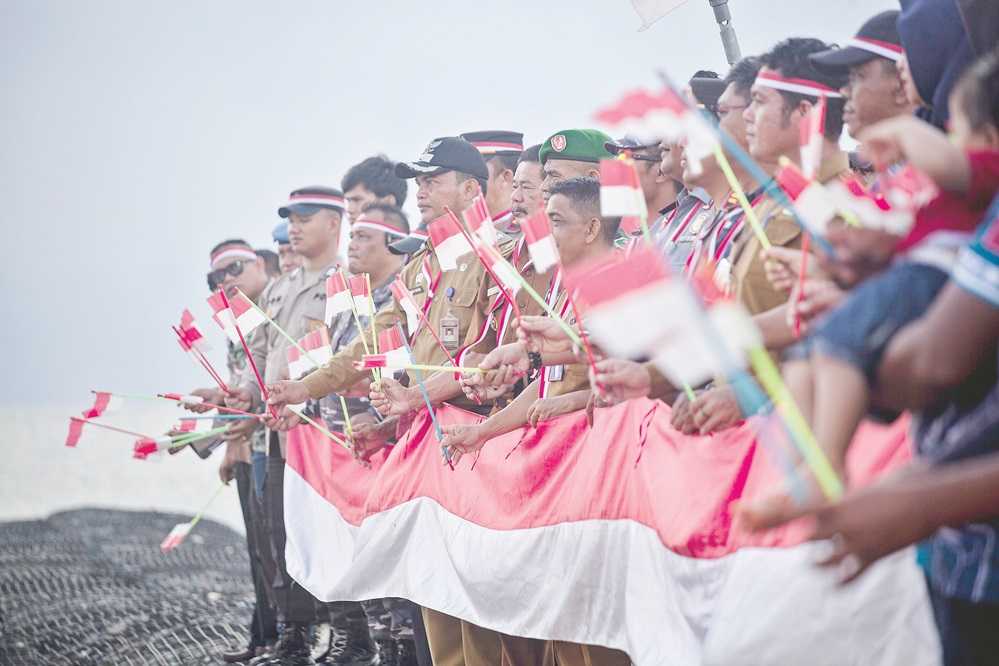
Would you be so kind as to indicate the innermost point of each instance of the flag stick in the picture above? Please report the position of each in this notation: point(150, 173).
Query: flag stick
point(740, 194)
point(223, 417)
point(801, 284)
point(816, 459)
point(433, 416)
point(202, 361)
point(246, 348)
point(475, 249)
point(188, 438)
point(221, 408)
point(112, 428)
point(197, 518)
point(438, 368)
point(357, 317)
point(321, 429)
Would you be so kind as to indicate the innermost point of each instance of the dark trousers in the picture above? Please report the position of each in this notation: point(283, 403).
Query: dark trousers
point(969, 632)
point(263, 625)
point(294, 603)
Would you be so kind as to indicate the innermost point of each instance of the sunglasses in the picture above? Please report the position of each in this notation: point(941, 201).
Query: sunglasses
point(235, 269)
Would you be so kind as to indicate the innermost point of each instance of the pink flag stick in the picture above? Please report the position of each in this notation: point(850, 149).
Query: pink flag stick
point(112, 428)
point(186, 346)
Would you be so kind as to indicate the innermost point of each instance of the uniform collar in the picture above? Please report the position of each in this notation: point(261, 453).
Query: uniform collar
point(833, 165)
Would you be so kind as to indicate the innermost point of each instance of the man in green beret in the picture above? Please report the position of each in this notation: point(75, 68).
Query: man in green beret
point(572, 153)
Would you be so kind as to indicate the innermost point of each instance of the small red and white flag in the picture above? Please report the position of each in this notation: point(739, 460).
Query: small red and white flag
point(297, 366)
point(635, 308)
point(394, 351)
point(449, 242)
point(191, 333)
point(104, 403)
point(540, 243)
point(502, 270)
point(408, 304)
point(188, 426)
point(811, 199)
point(872, 209)
point(183, 398)
point(77, 432)
point(241, 312)
point(143, 448)
point(338, 297)
point(620, 190)
point(361, 294)
point(480, 222)
point(907, 188)
point(812, 138)
point(176, 537)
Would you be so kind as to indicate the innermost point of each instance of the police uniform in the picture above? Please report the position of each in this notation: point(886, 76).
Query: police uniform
point(297, 303)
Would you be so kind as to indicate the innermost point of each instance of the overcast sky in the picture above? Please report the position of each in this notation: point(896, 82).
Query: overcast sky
point(135, 135)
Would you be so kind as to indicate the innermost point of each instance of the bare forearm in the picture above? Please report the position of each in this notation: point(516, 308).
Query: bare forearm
point(773, 327)
point(512, 416)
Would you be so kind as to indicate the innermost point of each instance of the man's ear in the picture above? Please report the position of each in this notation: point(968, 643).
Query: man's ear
point(594, 229)
point(469, 189)
point(804, 107)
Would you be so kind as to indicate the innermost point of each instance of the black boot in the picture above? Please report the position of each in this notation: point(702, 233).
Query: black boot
point(293, 648)
point(352, 644)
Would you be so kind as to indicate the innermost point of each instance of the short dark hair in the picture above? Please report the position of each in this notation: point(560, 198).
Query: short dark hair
point(462, 177)
point(790, 59)
point(977, 92)
point(530, 154)
point(390, 212)
point(377, 175)
point(584, 195)
point(228, 242)
point(743, 74)
point(271, 263)
point(505, 161)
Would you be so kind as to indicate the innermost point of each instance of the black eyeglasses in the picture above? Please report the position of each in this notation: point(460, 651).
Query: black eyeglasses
point(234, 269)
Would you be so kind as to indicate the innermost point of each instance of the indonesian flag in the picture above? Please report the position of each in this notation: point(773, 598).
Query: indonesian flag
point(143, 448)
point(812, 137)
point(297, 366)
point(503, 270)
point(620, 191)
point(338, 298)
point(317, 346)
point(688, 588)
point(394, 352)
point(907, 188)
point(176, 537)
point(651, 116)
point(540, 242)
point(188, 426)
point(406, 301)
point(449, 242)
point(241, 312)
point(480, 222)
point(191, 333)
point(871, 208)
point(103, 403)
point(811, 199)
point(76, 432)
point(359, 291)
point(183, 398)
point(634, 308)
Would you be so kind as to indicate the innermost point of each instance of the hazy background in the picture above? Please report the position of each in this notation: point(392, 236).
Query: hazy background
point(135, 135)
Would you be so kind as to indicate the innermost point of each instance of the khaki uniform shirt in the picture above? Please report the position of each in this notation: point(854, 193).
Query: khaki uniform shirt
point(562, 379)
point(460, 295)
point(748, 278)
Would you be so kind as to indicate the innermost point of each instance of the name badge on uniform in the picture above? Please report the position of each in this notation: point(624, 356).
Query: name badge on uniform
point(449, 325)
point(556, 373)
point(698, 222)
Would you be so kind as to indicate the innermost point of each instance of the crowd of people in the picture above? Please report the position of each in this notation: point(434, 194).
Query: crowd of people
point(886, 323)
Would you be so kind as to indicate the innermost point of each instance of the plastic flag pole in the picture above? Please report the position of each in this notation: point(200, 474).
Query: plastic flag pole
point(740, 195)
point(246, 348)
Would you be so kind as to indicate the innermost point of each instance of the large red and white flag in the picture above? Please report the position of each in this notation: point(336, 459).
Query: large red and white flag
point(191, 333)
point(338, 298)
point(811, 199)
point(408, 304)
point(479, 221)
point(620, 190)
point(241, 312)
point(540, 243)
point(642, 513)
point(449, 242)
point(360, 292)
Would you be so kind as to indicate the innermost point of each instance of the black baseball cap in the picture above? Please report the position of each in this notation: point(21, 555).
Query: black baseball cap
point(878, 37)
point(707, 88)
point(446, 153)
point(411, 244)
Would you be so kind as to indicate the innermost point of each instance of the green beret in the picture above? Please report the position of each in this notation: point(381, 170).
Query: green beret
point(581, 145)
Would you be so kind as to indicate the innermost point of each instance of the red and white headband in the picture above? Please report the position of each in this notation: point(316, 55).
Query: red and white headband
point(232, 253)
point(493, 147)
point(771, 79)
point(375, 225)
point(315, 199)
point(893, 52)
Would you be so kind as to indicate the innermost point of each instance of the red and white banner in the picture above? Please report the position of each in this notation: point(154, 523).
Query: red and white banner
point(619, 534)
